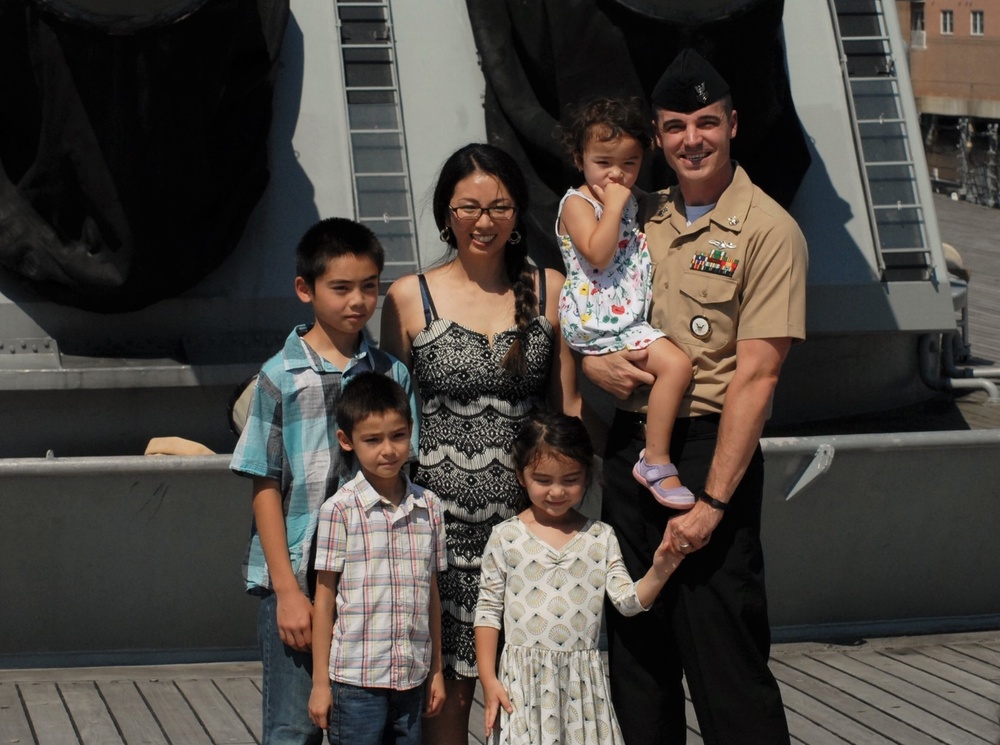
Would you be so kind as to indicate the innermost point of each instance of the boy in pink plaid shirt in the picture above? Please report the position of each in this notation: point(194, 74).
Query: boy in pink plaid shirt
point(380, 544)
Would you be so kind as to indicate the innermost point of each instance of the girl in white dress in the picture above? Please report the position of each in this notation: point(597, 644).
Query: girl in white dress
point(544, 577)
point(605, 300)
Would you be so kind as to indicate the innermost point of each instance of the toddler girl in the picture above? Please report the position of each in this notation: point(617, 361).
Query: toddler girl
point(605, 299)
point(545, 573)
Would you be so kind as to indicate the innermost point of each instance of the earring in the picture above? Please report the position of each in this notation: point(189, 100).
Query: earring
point(445, 234)
point(515, 238)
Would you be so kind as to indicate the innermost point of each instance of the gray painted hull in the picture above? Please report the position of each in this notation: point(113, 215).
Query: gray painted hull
point(136, 559)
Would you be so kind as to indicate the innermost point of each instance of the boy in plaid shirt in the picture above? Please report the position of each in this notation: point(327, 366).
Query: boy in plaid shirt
point(288, 446)
point(380, 544)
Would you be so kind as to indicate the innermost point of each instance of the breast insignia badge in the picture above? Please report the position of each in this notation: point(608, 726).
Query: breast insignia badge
point(700, 327)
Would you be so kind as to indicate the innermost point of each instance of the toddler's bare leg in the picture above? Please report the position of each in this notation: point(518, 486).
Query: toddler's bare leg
point(672, 369)
point(654, 470)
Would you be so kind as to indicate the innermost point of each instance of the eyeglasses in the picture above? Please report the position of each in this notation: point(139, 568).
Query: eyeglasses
point(474, 212)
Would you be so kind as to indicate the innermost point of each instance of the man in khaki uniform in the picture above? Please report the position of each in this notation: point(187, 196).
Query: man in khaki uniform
point(729, 288)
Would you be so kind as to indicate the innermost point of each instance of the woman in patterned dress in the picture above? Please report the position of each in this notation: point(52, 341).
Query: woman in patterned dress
point(480, 335)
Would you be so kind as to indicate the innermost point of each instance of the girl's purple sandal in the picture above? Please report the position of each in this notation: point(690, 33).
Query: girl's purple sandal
point(650, 476)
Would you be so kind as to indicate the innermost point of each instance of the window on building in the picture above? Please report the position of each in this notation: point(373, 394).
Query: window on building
point(947, 21)
point(918, 36)
point(978, 22)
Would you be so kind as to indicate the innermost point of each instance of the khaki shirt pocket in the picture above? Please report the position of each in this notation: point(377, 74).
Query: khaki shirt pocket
point(709, 309)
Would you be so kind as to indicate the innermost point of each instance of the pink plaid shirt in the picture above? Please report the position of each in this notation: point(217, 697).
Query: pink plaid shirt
point(385, 556)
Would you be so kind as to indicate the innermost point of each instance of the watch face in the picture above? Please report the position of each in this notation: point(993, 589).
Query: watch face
point(700, 327)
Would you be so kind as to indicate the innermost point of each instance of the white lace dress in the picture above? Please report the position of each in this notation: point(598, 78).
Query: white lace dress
point(550, 603)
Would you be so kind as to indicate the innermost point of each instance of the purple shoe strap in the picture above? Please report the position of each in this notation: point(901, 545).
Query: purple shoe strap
point(656, 473)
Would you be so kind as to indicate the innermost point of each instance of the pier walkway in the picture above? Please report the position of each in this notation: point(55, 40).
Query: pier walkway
point(907, 691)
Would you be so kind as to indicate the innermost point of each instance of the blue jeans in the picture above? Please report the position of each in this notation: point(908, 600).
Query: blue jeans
point(287, 683)
point(375, 716)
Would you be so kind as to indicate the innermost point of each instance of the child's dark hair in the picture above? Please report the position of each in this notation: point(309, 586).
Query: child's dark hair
point(370, 394)
point(606, 119)
point(556, 433)
point(480, 157)
point(331, 238)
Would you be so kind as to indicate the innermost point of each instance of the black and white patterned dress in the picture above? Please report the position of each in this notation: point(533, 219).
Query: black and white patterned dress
point(471, 410)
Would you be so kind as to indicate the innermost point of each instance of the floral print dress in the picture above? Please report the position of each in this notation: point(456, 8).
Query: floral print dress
point(602, 311)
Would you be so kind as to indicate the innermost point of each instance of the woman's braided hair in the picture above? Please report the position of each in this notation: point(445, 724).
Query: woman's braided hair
point(492, 161)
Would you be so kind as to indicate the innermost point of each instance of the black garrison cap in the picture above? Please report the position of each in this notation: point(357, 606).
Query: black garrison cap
point(688, 84)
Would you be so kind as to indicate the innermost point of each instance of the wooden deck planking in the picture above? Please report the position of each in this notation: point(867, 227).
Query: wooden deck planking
point(937, 715)
point(89, 713)
point(850, 697)
point(984, 653)
point(219, 719)
point(173, 713)
point(50, 721)
point(953, 695)
point(13, 718)
point(244, 696)
point(936, 690)
point(810, 717)
point(694, 732)
point(477, 735)
point(135, 720)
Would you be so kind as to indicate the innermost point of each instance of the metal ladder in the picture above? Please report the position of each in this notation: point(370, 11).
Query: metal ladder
point(383, 196)
point(896, 213)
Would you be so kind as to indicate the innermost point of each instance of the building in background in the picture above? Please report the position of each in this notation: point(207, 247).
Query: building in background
point(954, 58)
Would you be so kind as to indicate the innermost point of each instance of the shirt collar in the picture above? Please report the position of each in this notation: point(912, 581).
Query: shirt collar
point(734, 205)
point(369, 499)
point(730, 210)
point(299, 355)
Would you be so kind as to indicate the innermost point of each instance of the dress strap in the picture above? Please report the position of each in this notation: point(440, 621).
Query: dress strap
point(541, 291)
point(430, 312)
point(598, 207)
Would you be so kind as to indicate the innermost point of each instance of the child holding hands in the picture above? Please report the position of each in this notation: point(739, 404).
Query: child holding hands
point(545, 574)
point(377, 619)
point(605, 300)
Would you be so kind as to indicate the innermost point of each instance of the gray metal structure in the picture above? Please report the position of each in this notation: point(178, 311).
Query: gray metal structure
point(111, 556)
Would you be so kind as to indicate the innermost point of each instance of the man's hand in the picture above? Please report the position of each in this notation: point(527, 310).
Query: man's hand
point(617, 373)
point(690, 531)
point(295, 620)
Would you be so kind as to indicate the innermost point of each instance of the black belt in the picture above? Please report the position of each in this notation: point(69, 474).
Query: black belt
point(634, 423)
